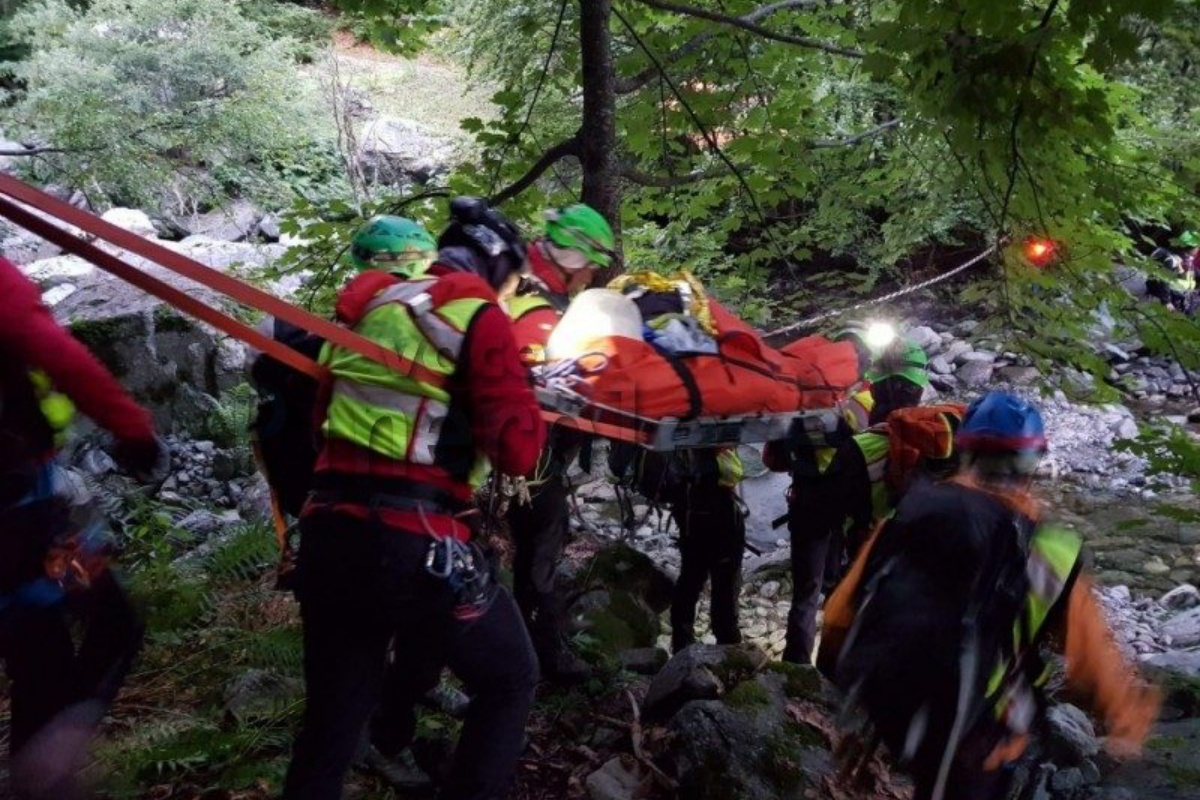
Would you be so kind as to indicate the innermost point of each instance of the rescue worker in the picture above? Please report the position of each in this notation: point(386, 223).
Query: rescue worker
point(385, 547)
point(831, 486)
point(936, 631)
point(52, 568)
point(712, 543)
point(578, 242)
point(1178, 291)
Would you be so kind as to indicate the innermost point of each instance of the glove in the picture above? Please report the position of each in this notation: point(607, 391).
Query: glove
point(147, 460)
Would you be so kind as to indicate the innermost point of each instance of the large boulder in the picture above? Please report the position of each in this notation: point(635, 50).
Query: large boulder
point(700, 672)
point(748, 745)
point(400, 151)
point(173, 364)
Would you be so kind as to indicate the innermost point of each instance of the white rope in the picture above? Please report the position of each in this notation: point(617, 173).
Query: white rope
point(806, 323)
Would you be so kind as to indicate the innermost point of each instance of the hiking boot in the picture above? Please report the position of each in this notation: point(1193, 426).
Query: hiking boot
point(448, 700)
point(400, 771)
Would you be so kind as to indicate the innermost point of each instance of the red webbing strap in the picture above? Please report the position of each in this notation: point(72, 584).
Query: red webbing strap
point(159, 288)
point(182, 265)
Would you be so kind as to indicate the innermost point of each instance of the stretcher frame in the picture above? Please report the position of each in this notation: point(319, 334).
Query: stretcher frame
point(567, 407)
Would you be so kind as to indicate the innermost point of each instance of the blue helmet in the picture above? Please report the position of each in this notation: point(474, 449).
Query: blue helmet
point(1002, 425)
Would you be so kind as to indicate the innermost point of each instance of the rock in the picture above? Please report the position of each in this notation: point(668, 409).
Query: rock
point(131, 220)
point(1181, 597)
point(1067, 780)
point(255, 502)
point(1114, 353)
point(268, 228)
point(1072, 737)
point(227, 464)
point(1184, 629)
point(260, 693)
point(1194, 415)
point(1127, 428)
point(698, 672)
point(975, 374)
point(1186, 662)
point(643, 660)
point(928, 339)
point(616, 781)
point(976, 355)
point(1018, 376)
point(769, 590)
point(1089, 772)
point(746, 746)
point(399, 151)
point(201, 524)
point(234, 223)
point(940, 365)
point(955, 349)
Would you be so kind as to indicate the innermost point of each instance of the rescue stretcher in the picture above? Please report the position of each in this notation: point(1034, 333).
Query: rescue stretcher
point(569, 408)
point(80, 232)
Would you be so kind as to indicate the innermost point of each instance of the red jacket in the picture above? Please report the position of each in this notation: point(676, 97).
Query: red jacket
point(31, 339)
point(490, 386)
point(533, 328)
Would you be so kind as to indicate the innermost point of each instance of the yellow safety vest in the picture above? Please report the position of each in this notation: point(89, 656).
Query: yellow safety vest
point(381, 410)
point(874, 447)
point(56, 407)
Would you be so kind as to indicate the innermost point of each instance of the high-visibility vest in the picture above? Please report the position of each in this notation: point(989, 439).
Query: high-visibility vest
point(1054, 555)
point(1183, 283)
point(521, 305)
point(874, 446)
point(381, 410)
point(56, 407)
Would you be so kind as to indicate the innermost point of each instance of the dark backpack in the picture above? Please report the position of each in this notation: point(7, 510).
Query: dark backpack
point(661, 477)
point(283, 426)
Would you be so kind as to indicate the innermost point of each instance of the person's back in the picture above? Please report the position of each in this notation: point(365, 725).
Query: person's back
point(937, 630)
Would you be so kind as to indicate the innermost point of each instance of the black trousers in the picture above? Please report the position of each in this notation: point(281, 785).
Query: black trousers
point(712, 541)
point(817, 552)
point(539, 532)
point(359, 585)
point(47, 672)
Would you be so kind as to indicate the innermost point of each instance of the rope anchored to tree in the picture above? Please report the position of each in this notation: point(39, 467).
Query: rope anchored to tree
point(925, 284)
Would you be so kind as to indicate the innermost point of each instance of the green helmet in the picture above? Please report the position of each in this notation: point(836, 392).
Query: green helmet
point(393, 244)
point(901, 359)
point(1190, 239)
point(580, 227)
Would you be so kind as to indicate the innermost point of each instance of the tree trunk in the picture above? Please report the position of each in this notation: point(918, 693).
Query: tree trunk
point(598, 134)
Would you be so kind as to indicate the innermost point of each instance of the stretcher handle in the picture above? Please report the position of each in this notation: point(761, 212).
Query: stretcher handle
point(182, 265)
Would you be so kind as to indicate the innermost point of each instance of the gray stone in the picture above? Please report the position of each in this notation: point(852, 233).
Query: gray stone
point(940, 365)
point(255, 502)
point(131, 220)
point(1184, 661)
point(201, 524)
point(233, 223)
point(260, 693)
point(1181, 597)
point(1072, 737)
point(1114, 353)
point(975, 374)
point(976, 355)
point(746, 746)
point(1067, 781)
point(643, 660)
point(692, 674)
point(955, 349)
point(399, 151)
point(928, 339)
point(616, 781)
point(769, 589)
point(1018, 375)
point(268, 228)
point(1184, 628)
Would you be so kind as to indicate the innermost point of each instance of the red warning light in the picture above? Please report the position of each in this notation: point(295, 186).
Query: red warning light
point(1040, 252)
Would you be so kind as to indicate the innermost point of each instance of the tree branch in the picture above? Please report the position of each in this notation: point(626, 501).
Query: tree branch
point(635, 82)
point(567, 147)
point(752, 26)
point(850, 141)
point(632, 173)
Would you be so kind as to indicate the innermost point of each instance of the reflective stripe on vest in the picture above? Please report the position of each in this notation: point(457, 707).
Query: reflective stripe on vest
point(382, 410)
point(1053, 555)
point(857, 410)
point(56, 407)
point(874, 447)
point(521, 305)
